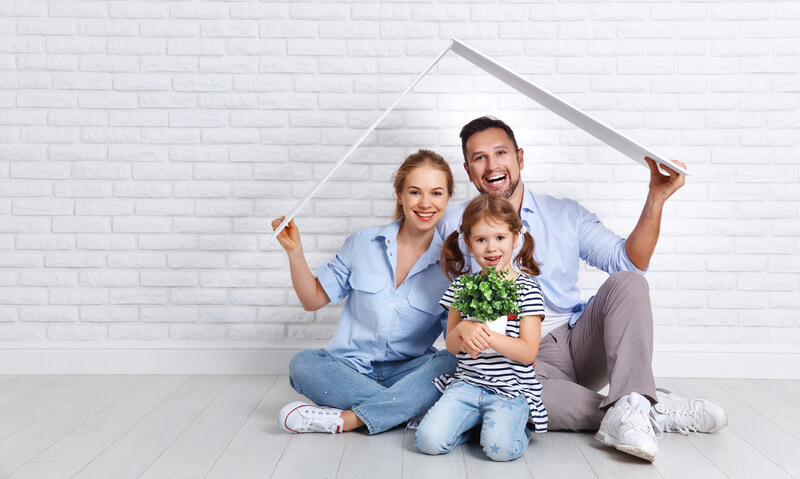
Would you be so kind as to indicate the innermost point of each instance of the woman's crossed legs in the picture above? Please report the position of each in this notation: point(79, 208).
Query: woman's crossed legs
point(393, 393)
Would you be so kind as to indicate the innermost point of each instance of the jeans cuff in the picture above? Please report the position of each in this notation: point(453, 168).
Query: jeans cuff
point(365, 419)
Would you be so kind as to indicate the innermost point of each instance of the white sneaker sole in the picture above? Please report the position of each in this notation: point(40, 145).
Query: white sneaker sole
point(637, 451)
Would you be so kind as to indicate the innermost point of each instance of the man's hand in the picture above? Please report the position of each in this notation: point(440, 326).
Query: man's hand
point(663, 186)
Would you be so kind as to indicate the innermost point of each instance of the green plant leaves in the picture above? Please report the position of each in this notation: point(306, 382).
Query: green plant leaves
point(486, 296)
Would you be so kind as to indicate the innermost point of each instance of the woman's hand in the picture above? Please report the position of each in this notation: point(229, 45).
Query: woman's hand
point(289, 237)
point(308, 288)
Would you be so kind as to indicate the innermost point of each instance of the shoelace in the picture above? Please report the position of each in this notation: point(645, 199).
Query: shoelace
point(679, 416)
point(319, 420)
point(640, 420)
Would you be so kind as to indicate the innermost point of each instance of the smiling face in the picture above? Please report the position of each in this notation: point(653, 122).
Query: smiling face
point(493, 165)
point(424, 197)
point(492, 244)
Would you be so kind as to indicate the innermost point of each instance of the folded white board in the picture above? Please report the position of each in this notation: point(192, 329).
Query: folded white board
point(563, 109)
point(548, 100)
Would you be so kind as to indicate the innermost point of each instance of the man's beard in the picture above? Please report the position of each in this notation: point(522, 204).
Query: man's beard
point(507, 194)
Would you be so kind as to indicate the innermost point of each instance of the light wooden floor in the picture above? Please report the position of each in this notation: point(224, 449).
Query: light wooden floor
point(114, 427)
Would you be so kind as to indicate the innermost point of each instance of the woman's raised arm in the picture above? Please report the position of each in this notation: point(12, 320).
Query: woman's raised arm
point(307, 287)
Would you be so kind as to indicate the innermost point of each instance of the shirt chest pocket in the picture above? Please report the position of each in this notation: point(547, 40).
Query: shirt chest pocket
point(365, 297)
point(422, 314)
point(424, 301)
point(364, 282)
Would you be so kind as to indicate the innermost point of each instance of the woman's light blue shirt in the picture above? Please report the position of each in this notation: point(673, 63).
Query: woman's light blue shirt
point(381, 322)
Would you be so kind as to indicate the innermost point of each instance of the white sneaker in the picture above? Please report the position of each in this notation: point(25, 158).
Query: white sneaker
point(298, 417)
point(674, 413)
point(626, 427)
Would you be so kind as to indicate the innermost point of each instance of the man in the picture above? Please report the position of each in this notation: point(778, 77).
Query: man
point(607, 340)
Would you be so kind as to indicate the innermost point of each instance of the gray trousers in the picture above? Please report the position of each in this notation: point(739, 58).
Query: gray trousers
point(612, 343)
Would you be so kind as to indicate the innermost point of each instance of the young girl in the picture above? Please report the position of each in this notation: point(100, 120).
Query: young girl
point(496, 388)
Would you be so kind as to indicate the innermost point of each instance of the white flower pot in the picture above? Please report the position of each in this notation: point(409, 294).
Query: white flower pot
point(498, 325)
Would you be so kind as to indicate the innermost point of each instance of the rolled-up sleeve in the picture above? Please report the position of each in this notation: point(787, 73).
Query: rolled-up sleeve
point(334, 276)
point(601, 247)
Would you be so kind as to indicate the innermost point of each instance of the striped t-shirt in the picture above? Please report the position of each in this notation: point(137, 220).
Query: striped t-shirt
point(495, 372)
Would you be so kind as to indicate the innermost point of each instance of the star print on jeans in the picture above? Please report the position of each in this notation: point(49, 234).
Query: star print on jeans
point(495, 448)
point(489, 423)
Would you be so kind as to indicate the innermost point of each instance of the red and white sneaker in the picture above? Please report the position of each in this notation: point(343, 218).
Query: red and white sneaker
point(299, 417)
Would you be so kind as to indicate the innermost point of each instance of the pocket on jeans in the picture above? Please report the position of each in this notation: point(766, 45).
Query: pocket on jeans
point(456, 384)
point(560, 334)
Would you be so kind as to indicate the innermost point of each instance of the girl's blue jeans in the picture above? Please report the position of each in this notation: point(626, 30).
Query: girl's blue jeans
point(393, 393)
point(463, 406)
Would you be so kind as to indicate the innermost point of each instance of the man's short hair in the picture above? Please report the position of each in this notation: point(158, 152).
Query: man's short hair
point(480, 124)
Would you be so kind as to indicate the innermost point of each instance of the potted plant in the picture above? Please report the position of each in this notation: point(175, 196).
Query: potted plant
point(489, 298)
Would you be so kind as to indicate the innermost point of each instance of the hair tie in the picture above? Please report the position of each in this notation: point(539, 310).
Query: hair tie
point(522, 230)
point(458, 230)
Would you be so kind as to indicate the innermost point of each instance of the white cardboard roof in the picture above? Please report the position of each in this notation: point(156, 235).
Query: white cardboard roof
point(599, 130)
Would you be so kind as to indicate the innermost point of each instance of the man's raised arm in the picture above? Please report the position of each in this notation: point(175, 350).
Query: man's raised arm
point(642, 241)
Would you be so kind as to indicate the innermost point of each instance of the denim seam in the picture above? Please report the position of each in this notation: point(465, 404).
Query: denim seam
point(451, 444)
point(522, 445)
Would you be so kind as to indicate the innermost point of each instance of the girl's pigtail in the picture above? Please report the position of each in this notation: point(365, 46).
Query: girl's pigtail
point(525, 259)
point(453, 263)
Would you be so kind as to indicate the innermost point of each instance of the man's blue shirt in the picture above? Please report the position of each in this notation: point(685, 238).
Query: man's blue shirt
point(381, 322)
point(564, 233)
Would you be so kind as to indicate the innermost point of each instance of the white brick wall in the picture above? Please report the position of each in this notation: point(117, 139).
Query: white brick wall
point(145, 146)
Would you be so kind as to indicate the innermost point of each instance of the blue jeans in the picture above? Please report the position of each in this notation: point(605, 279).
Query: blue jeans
point(393, 393)
point(463, 406)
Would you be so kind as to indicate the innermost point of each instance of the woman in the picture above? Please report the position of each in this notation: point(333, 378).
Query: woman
point(378, 369)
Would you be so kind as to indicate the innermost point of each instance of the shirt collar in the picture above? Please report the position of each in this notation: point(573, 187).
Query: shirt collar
point(389, 232)
point(528, 204)
point(434, 252)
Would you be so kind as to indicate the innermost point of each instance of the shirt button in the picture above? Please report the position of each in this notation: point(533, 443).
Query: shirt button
point(390, 254)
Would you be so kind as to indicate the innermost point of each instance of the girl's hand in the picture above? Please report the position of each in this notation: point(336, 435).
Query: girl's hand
point(475, 337)
point(289, 237)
